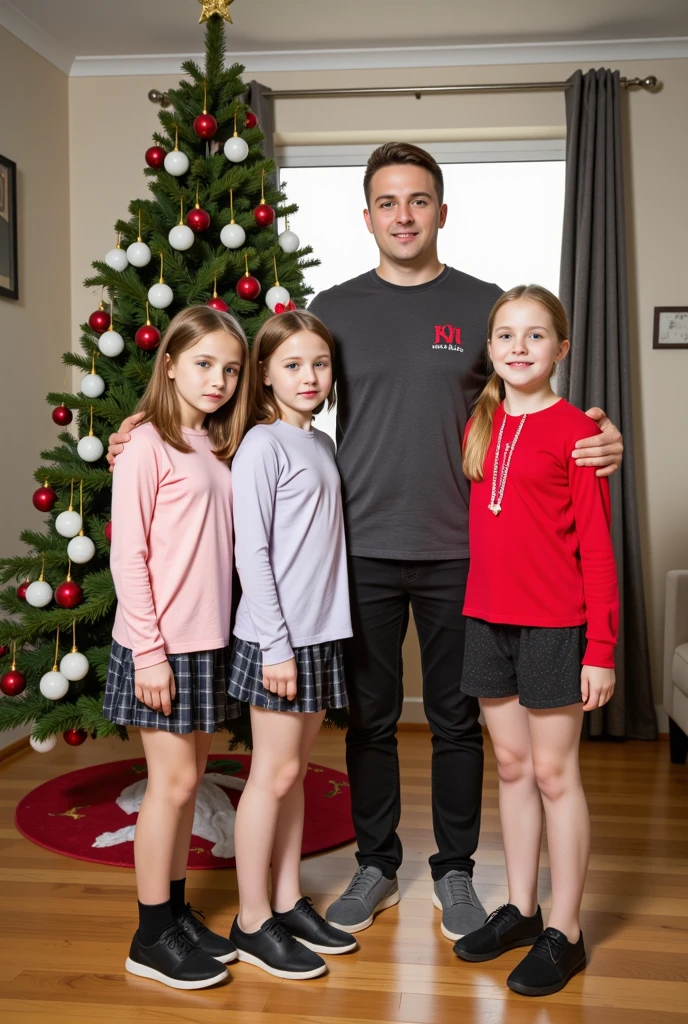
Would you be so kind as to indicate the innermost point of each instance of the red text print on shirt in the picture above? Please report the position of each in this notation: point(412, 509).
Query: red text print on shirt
point(447, 337)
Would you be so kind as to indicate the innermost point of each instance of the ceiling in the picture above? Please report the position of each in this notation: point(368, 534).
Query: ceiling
point(65, 30)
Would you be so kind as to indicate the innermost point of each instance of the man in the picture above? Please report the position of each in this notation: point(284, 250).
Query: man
point(411, 361)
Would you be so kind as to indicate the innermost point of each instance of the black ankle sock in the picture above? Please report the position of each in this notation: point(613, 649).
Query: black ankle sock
point(154, 918)
point(177, 897)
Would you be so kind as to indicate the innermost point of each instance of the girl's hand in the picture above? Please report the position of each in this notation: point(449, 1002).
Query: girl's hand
point(155, 687)
point(597, 686)
point(116, 442)
point(281, 679)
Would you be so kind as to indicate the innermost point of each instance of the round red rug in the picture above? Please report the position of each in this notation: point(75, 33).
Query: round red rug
point(78, 814)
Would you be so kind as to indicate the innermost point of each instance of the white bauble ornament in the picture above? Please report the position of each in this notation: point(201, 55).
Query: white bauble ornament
point(288, 241)
point(276, 294)
point(43, 746)
point(160, 295)
point(138, 254)
point(53, 685)
point(92, 385)
point(68, 524)
point(181, 237)
point(81, 549)
point(116, 259)
point(111, 344)
point(233, 236)
point(39, 594)
point(90, 448)
point(74, 666)
point(176, 163)
point(236, 149)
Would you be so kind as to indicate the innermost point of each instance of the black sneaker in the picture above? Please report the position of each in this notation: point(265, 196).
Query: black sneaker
point(549, 965)
point(506, 928)
point(305, 923)
point(211, 943)
point(276, 951)
point(174, 961)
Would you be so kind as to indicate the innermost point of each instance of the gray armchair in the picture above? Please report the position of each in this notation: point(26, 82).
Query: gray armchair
point(676, 662)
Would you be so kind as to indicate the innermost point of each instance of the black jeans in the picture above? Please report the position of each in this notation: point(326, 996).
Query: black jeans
point(381, 592)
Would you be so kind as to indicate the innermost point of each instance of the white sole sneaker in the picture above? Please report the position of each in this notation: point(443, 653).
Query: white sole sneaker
point(389, 901)
point(141, 971)
point(228, 959)
point(445, 931)
point(249, 958)
point(332, 950)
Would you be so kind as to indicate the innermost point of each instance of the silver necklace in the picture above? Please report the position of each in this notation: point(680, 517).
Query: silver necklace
point(495, 505)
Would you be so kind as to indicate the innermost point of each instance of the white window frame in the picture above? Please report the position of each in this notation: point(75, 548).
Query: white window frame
point(496, 151)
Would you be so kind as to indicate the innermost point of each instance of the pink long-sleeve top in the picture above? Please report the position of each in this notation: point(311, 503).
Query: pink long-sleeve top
point(171, 555)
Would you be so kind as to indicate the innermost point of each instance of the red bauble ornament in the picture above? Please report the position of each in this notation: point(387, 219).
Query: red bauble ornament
point(205, 126)
point(264, 215)
point(69, 594)
point(44, 498)
point(21, 590)
point(3, 650)
point(108, 532)
point(251, 119)
point(198, 219)
point(99, 321)
point(280, 308)
point(155, 157)
point(12, 683)
point(217, 303)
point(75, 737)
point(248, 287)
point(147, 337)
point(62, 415)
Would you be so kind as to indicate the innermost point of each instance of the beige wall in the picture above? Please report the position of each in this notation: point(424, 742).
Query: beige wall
point(105, 178)
point(35, 330)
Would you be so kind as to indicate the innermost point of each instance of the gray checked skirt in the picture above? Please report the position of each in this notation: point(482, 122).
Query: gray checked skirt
point(319, 682)
point(201, 703)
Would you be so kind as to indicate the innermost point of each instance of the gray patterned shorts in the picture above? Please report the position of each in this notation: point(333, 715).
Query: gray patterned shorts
point(201, 703)
point(539, 664)
point(319, 683)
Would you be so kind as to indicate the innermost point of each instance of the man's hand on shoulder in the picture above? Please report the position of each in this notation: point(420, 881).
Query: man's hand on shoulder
point(605, 450)
point(116, 442)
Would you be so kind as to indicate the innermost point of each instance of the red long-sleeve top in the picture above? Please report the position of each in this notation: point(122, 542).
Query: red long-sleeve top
point(547, 558)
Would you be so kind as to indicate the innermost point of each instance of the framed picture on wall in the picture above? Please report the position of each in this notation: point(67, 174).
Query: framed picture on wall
point(671, 327)
point(9, 287)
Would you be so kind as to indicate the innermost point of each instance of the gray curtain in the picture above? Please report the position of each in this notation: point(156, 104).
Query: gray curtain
point(594, 289)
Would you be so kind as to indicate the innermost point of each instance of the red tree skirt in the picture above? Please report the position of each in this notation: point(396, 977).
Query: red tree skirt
point(67, 814)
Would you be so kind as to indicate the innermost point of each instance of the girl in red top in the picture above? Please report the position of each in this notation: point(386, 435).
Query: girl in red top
point(542, 609)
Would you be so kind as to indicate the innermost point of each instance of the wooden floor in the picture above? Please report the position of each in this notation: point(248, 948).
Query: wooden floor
point(67, 924)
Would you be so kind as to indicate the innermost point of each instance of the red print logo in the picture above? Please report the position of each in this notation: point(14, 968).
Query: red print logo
point(447, 337)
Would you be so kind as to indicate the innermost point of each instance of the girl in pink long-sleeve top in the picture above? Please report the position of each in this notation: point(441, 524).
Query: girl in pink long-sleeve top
point(171, 562)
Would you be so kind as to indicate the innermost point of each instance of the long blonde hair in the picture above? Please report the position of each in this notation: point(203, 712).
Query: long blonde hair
point(488, 402)
point(276, 330)
point(227, 426)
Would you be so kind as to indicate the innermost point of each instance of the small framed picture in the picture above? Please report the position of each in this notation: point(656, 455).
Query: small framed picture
point(671, 327)
point(9, 287)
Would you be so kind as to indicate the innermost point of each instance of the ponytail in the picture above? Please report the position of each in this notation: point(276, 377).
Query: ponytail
point(480, 434)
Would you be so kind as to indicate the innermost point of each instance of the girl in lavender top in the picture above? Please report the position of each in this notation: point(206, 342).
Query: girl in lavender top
point(287, 657)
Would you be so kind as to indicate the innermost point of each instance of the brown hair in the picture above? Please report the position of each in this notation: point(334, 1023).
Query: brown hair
point(272, 334)
point(492, 394)
point(227, 426)
point(402, 153)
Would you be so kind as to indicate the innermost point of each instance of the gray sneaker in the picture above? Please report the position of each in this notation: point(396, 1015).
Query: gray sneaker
point(462, 911)
point(366, 895)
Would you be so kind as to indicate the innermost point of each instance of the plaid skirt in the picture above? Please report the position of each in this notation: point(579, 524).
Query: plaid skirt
point(201, 703)
point(319, 681)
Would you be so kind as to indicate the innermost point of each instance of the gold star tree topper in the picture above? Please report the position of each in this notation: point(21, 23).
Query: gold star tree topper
point(211, 7)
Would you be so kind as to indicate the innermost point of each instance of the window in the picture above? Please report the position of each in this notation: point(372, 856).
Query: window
point(505, 203)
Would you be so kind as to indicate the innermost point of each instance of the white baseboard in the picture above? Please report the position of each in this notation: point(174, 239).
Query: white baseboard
point(413, 713)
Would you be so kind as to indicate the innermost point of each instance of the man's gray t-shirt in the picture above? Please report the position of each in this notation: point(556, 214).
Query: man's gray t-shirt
point(410, 364)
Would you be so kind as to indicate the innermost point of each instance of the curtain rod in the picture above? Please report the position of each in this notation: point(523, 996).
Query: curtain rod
point(649, 83)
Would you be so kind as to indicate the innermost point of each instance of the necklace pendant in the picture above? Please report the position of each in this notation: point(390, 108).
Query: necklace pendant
point(495, 509)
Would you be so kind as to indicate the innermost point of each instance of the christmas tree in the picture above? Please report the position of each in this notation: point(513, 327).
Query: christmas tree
point(206, 235)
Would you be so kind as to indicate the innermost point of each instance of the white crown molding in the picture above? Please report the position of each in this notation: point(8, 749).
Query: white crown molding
point(35, 37)
point(397, 57)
